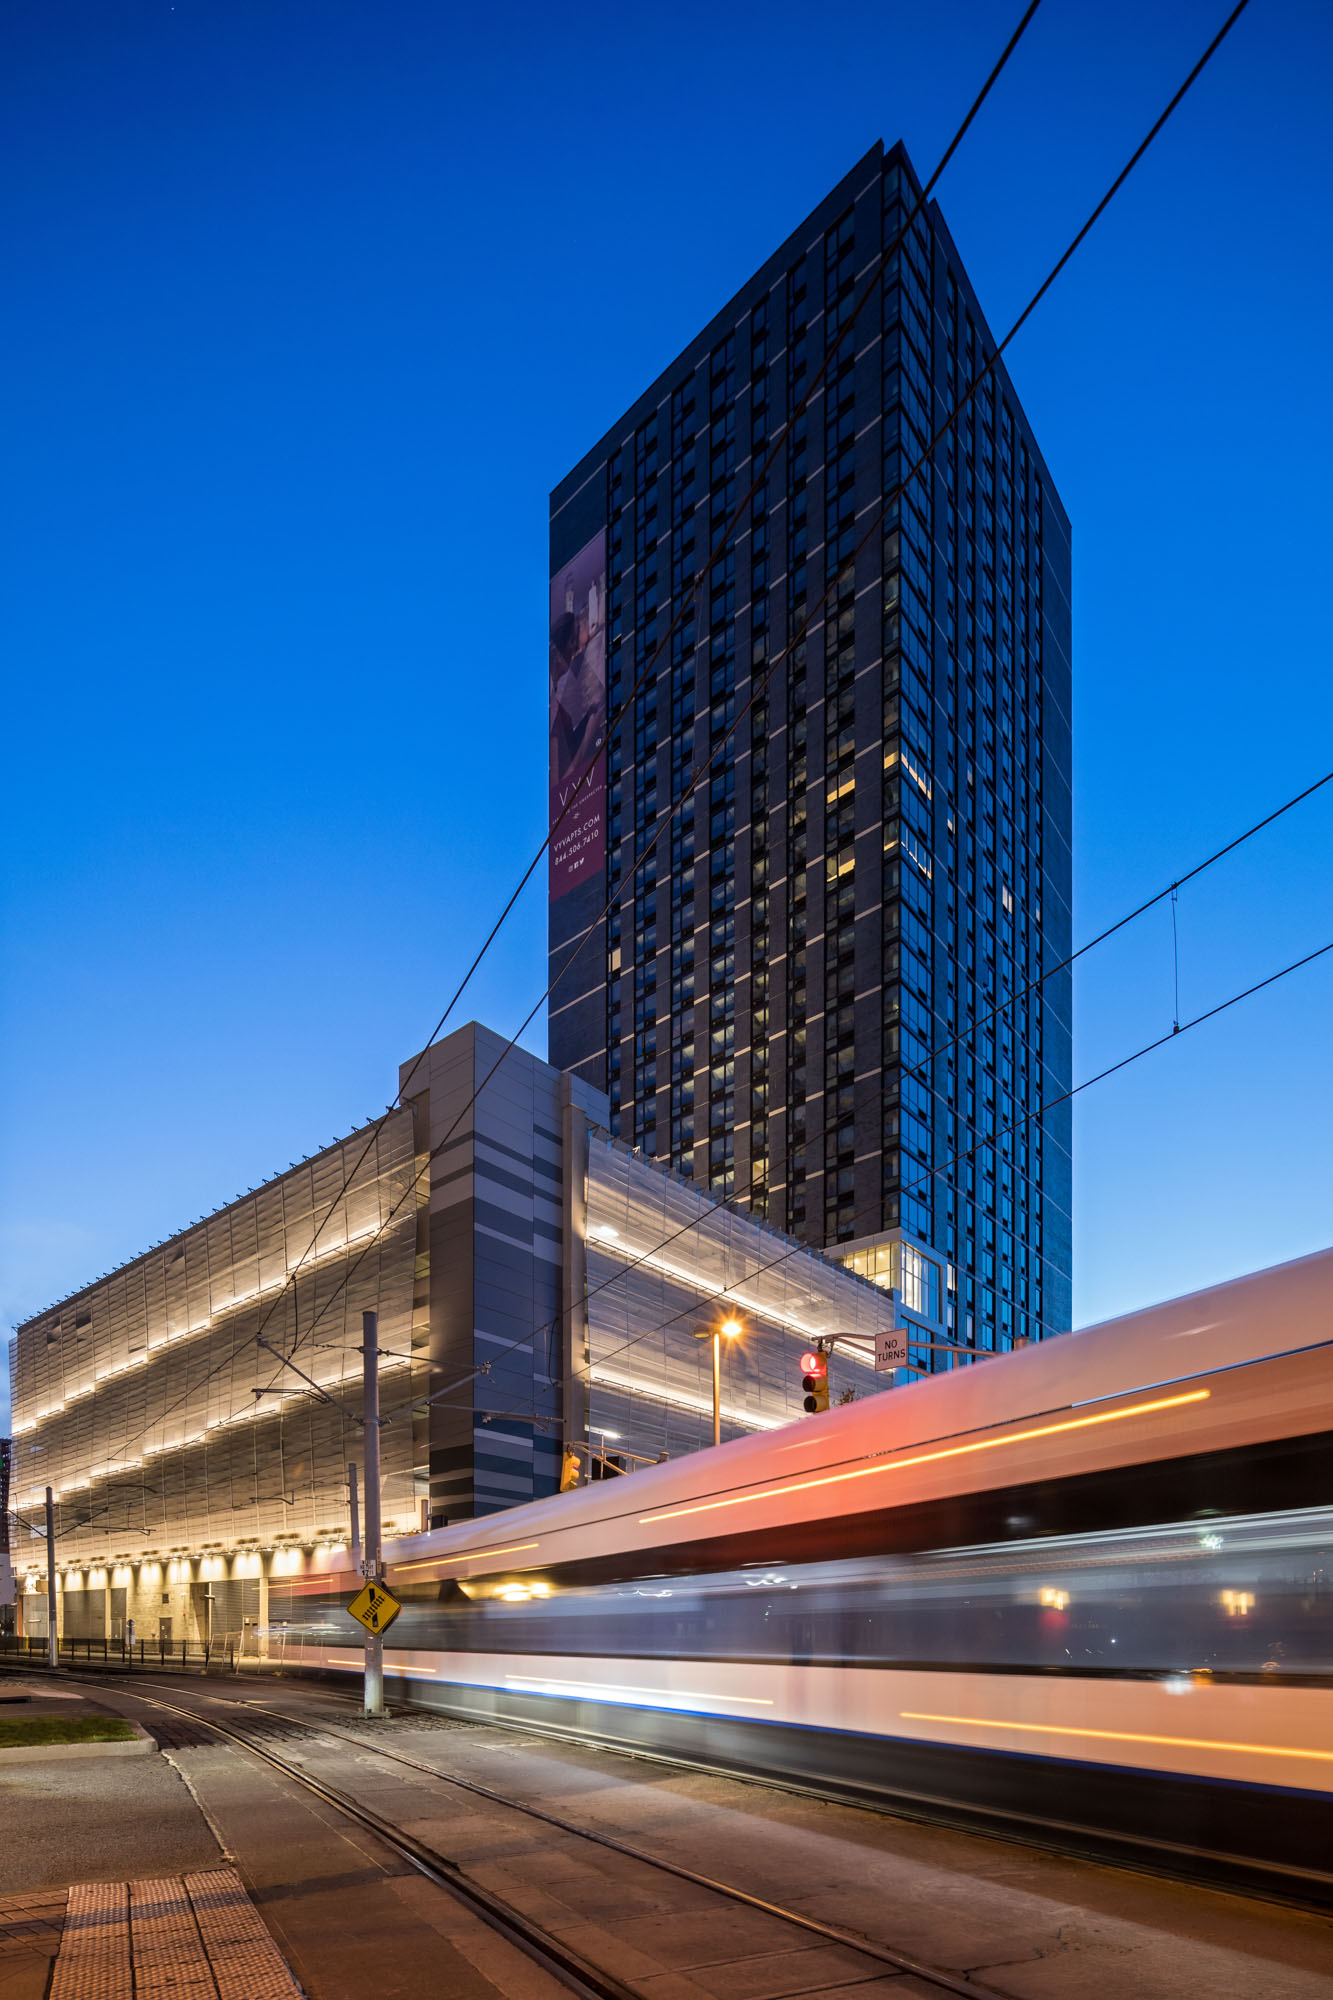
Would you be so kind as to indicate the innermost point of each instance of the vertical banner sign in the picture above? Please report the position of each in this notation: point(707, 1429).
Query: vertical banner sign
point(578, 717)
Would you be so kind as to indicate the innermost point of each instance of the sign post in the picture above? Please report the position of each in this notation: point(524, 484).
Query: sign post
point(372, 1567)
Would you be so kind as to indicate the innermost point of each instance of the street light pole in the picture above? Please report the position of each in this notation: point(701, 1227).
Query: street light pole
point(52, 1635)
point(730, 1329)
point(717, 1387)
point(372, 1566)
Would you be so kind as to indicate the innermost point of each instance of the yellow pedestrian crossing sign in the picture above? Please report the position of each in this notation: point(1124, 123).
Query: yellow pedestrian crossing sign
point(374, 1608)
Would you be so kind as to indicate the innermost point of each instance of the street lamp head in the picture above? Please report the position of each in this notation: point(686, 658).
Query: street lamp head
point(731, 1329)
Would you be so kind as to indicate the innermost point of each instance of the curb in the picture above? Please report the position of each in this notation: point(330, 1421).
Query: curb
point(40, 1753)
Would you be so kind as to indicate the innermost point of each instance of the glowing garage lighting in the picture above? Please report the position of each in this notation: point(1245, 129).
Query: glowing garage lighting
point(1054, 1600)
point(1119, 1736)
point(681, 1399)
point(472, 1555)
point(661, 1694)
point(730, 1294)
point(931, 1457)
point(219, 1311)
point(274, 1400)
point(1238, 1603)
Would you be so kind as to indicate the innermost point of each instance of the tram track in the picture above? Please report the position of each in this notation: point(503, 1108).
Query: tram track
point(571, 1968)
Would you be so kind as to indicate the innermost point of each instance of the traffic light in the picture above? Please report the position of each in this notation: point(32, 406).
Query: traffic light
point(569, 1471)
point(814, 1380)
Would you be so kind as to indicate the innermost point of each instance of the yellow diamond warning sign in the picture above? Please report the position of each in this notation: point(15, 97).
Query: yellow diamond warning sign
point(374, 1608)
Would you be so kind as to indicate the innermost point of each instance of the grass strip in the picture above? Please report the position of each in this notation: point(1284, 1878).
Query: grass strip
point(18, 1733)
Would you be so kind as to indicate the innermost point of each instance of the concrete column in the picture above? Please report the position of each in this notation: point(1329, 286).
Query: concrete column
point(264, 1563)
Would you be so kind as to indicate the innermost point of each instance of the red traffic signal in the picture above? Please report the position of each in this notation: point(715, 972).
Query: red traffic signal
point(814, 1381)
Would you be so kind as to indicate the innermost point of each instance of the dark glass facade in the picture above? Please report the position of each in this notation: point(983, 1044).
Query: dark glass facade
point(807, 978)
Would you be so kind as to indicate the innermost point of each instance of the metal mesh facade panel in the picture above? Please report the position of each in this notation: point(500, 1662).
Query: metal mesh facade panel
point(147, 1404)
point(659, 1253)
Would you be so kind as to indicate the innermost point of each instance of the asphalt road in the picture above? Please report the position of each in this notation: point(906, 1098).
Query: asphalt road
point(98, 1820)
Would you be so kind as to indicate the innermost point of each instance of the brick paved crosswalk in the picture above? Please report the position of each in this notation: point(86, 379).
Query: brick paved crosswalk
point(192, 1937)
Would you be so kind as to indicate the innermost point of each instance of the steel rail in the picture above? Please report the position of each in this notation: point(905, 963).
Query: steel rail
point(555, 1957)
point(813, 1926)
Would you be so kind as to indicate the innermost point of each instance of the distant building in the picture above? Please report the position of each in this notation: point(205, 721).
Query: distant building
point(538, 1287)
point(877, 858)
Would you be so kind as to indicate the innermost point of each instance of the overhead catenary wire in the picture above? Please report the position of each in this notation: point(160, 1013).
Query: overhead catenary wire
point(924, 458)
point(968, 395)
point(964, 400)
point(991, 1139)
point(726, 531)
point(954, 1160)
point(758, 1182)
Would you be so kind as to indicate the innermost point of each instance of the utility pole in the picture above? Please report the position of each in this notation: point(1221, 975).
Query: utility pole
point(52, 1635)
point(372, 1567)
point(355, 1511)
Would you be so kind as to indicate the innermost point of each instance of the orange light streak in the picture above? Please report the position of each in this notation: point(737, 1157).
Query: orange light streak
point(1119, 1736)
point(931, 1457)
point(472, 1555)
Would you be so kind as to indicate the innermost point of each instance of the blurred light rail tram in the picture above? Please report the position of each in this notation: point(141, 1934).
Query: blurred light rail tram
point(1083, 1593)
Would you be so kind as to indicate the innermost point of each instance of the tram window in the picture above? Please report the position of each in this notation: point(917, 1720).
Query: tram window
point(1160, 1600)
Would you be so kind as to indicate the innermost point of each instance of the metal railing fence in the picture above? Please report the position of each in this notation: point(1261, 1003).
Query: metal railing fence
point(218, 1654)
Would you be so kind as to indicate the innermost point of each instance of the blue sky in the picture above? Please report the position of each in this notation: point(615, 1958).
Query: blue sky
point(308, 308)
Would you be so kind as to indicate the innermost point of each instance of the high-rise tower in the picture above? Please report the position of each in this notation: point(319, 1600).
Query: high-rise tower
point(815, 868)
